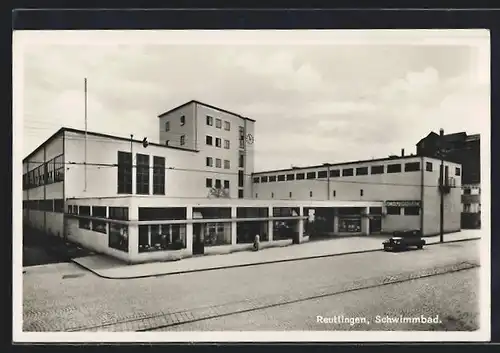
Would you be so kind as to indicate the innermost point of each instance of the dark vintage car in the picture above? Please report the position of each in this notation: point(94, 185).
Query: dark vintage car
point(403, 240)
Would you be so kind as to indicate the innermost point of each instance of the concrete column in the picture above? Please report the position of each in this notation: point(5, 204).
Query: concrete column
point(300, 225)
point(189, 230)
point(365, 222)
point(234, 231)
point(270, 225)
point(133, 229)
point(335, 223)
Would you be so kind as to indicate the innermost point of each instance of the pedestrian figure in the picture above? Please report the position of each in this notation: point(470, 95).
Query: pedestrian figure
point(256, 243)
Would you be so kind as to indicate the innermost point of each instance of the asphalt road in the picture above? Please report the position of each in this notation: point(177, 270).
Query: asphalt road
point(64, 297)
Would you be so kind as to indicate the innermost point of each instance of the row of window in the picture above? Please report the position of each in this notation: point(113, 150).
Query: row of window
point(182, 121)
point(218, 123)
point(54, 205)
point(209, 140)
point(290, 194)
point(46, 173)
point(142, 174)
point(218, 163)
point(334, 173)
point(209, 183)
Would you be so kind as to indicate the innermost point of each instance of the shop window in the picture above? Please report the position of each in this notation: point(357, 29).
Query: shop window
point(348, 172)
point(158, 175)
point(412, 167)
point(99, 226)
point(362, 171)
point(311, 175)
point(411, 211)
point(394, 168)
point(334, 173)
point(300, 176)
point(217, 234)
point(142, 174)
point(118, 236)
point(281, 177)
point(428, 166)
point(290, 177)
point(84, 211)
point(59, 205)
point(393, 210)
point(323, 174)
point(377, 169)
point(163, 237)
point(246, 231)
point(119, 213)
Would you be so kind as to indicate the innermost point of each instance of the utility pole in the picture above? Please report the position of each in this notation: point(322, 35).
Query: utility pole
point(441, 186)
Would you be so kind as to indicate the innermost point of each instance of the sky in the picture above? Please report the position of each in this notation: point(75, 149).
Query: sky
point(313, 103)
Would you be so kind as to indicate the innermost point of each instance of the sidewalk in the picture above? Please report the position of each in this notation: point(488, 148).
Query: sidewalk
point(110, 268)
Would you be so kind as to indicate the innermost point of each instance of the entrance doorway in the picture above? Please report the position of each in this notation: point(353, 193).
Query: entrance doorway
point(375, 225)
point(198, 239)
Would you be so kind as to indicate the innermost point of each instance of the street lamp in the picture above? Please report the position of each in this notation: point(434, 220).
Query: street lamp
point(441, 186)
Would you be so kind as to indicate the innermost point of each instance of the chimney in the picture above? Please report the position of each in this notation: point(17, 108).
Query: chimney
point(402, 152)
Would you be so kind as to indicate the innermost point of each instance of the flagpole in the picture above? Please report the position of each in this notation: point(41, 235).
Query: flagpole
point(85, 157)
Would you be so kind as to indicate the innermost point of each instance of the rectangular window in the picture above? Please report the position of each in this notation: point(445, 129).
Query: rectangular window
point(263, 179)
point(50, 172)
point(210, 120)
point(142, 174)
point(240, 193)
point(218, 142)
point(226, 184)
point(394, 168)
point(241, 161)
point(218, 183)
point(393, 210)
point(362, 171)
point(457, 171)
point(227, 144)
point(227, 164)
point(411, 211)
point(84, 211)
point(119, 213)
point(240, 178)
point(361, 192)
point(158, 175)
point(99, 226)
point(334, 173)
point(183, 140)
point(242, 137)
point(256, 180)
point(310, 194)
point(208, 140)
point(209, 162)
point(348, 172)
point(334, 193)
point(290, 177)
point(218, 163)
point(290, 194)
point(311, 175)
point(323, 174)
point(272, 178)
point(59, 205)
point(428, 166)
point(300, 176)
point(227, 125)
point(208, 183)
point(124, 172)
point(167, 126)
point(58, 169)
point(218, 123)
point(183, 120)
point(272, 195)
point(281, 177)
point(377, 169)
point(412, 167)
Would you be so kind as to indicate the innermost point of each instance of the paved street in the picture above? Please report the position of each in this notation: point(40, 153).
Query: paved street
point(64, 297)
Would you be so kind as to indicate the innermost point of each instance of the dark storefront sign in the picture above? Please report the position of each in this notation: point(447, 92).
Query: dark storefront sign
point(403, 203)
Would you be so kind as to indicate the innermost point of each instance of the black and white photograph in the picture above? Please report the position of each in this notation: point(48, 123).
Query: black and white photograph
point(239, 186)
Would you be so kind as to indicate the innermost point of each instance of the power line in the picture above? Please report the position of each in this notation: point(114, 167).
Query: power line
point(332, 180)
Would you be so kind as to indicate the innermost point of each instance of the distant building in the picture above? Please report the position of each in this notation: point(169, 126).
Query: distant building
point(465, 150)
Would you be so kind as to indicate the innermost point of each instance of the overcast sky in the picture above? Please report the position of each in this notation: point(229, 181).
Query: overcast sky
point(312, 103)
